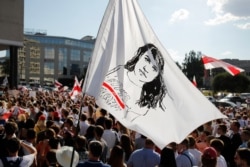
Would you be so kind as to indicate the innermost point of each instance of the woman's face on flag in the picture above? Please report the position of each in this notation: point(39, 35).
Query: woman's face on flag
point(146, 69)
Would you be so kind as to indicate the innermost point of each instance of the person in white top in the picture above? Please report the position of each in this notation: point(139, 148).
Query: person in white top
point(218, 145)
point(109, 135)
point(83, 124)
point(13, 146)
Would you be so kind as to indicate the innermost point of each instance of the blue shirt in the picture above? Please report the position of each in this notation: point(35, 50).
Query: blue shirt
point(89, 163)
point(144, 158)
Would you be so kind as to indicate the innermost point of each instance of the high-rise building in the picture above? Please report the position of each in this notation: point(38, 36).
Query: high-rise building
point(43, 58)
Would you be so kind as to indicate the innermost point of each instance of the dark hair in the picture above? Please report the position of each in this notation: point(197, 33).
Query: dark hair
point(31, 133)
point(99, 130)
point(95, 148)
point(116, 156)
point(244, 154)
point(217, 144)
point(108, 123)
point(13, 145)
point(10, 128)
point(152, 92)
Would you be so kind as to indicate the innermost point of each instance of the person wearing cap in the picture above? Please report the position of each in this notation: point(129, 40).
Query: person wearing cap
point(95, 152)
point(209, 157)
point(64, 156)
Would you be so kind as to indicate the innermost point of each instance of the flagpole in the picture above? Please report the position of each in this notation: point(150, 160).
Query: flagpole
point(77, 127)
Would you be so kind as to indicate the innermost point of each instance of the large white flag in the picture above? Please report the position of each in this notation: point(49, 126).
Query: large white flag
point(134, 78)
point(211, 63)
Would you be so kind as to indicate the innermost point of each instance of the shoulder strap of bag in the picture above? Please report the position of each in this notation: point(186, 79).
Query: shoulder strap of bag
point(188, 158)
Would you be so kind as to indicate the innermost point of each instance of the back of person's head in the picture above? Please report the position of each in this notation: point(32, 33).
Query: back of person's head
point(81, 142)
point(69, 121)
point(217, 144)
point(56, 128)
point(54, 143)
point(99, 130)
point(50, 133)
point(149, 143)
point(83, 117)
point(209, 157)
point(223, 128)
point(95, 148)
point(10, 128)
point(244, 154)
point(49, 123)
point(103, 112)
point(108, 123)
point(31, 134)
point(192, 141)
point(116, 156)
point(30, 123)
point(185, 142)
point(13, 145)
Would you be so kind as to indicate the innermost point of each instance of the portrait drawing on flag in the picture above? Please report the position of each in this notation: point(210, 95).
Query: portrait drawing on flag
point(144, 72)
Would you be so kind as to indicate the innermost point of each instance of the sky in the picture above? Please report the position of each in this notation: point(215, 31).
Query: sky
point(217, 28)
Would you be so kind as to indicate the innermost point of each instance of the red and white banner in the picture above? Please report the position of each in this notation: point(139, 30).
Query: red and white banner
point(210, 63)
point(194, 81)
point(134, 78)
point(76, 90)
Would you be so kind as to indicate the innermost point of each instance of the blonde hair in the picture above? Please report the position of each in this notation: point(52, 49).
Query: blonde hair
point(22, 117)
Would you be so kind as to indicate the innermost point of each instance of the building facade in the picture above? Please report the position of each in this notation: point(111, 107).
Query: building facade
point(44, 59)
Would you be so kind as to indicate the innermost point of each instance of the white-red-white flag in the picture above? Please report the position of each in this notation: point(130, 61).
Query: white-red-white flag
point(133, 77)
point(76, 90)
point(194, 81)
point(58, 84)
point(210, 63)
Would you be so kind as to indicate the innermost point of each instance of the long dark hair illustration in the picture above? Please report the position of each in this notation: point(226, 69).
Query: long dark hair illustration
point(152, 92)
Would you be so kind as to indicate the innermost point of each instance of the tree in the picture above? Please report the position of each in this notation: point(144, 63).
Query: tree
point(193, 66)
point(226, 82)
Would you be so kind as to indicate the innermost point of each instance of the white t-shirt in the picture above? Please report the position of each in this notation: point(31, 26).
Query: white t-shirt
point(26, 162)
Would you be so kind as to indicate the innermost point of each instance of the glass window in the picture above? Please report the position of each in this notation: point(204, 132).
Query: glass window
point(49, 53)
point(75, 69)
point(62, 64)
point(87, 55)
point(49, 68)
point(75, 54)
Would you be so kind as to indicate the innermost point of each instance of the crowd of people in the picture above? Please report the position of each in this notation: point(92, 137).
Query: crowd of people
point(51, 129)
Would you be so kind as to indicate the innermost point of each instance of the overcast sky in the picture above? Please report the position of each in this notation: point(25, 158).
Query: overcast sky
point(217, 28)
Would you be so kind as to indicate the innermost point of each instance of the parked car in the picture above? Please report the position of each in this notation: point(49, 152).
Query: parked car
point(234, 99)
point(225, 104)
point(245, 95)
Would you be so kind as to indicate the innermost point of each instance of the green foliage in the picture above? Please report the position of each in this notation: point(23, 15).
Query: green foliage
point(193, 66)
point(226, 82)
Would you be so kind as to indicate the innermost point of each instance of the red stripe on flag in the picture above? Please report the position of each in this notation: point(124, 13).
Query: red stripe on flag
point(233, 70)
point(113, 92)
point(206, 60)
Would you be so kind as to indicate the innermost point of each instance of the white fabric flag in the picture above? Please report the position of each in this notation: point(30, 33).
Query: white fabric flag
point(133, 77)
point(210, 63)
point(76, 90)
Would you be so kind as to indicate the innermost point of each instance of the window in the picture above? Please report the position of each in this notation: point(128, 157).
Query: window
point(49, 53)
point(49, 68)
point(75, 55)
point(62, 64)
